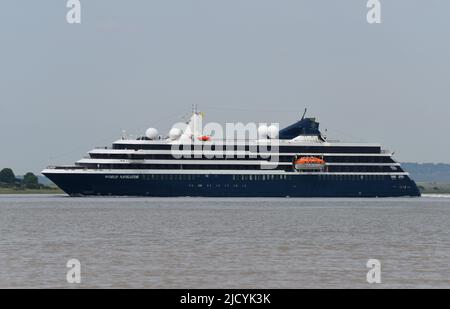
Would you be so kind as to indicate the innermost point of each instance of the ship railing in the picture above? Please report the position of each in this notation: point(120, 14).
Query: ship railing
point(62, 167)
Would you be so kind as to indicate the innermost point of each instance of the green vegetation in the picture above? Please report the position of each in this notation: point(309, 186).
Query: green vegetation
point(30, 181)
point(10, 184)
point(434, 187)
point(44, 190)
point(7, 177)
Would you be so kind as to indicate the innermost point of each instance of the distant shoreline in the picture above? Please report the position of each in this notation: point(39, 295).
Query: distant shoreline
point(5, 191)
point(434, 187)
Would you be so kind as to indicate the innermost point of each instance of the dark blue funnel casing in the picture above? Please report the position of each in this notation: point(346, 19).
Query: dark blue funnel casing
point(306, 126)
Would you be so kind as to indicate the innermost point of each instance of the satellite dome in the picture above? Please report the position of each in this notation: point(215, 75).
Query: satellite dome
point(175, 133)
point(151, 133)
point(262, 132)
point(272, 132)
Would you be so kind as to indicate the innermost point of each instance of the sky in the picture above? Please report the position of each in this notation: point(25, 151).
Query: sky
point(67, 88)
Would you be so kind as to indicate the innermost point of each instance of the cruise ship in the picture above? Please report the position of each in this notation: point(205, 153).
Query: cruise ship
point(297, 161)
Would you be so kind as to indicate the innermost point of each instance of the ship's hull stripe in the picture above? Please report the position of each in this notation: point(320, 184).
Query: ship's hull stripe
point(218, 172)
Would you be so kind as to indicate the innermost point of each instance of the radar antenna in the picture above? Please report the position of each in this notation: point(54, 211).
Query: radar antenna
point(304, 113)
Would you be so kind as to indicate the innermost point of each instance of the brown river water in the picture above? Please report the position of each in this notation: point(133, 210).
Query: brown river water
point(223, 243)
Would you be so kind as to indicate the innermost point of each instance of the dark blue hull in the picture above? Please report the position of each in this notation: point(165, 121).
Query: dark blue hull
point(229, 186)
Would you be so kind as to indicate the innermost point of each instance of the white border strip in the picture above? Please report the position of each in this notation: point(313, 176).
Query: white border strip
point(280, 142)
point(225, 153)
point(214, 162)
point(206, 172)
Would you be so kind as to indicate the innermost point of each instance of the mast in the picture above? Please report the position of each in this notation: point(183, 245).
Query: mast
point(304, 113)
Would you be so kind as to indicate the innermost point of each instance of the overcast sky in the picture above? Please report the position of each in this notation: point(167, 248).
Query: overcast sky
point(65, 89)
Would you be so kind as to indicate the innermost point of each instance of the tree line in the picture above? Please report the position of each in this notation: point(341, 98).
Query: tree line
point(9, 180)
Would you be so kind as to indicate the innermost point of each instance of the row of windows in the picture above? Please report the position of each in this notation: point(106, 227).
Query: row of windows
point(324, 177)
point(369, 169)
point(261, 177)
point(173, 177)
point(174, 166)
point(359, 177)
point(288, 168)
point(172, 157)
point(234, 177)
point(282, 149)
point(289, 158)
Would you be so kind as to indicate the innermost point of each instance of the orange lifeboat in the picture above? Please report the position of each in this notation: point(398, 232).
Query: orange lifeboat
point(309, 163)
point(204, 138)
